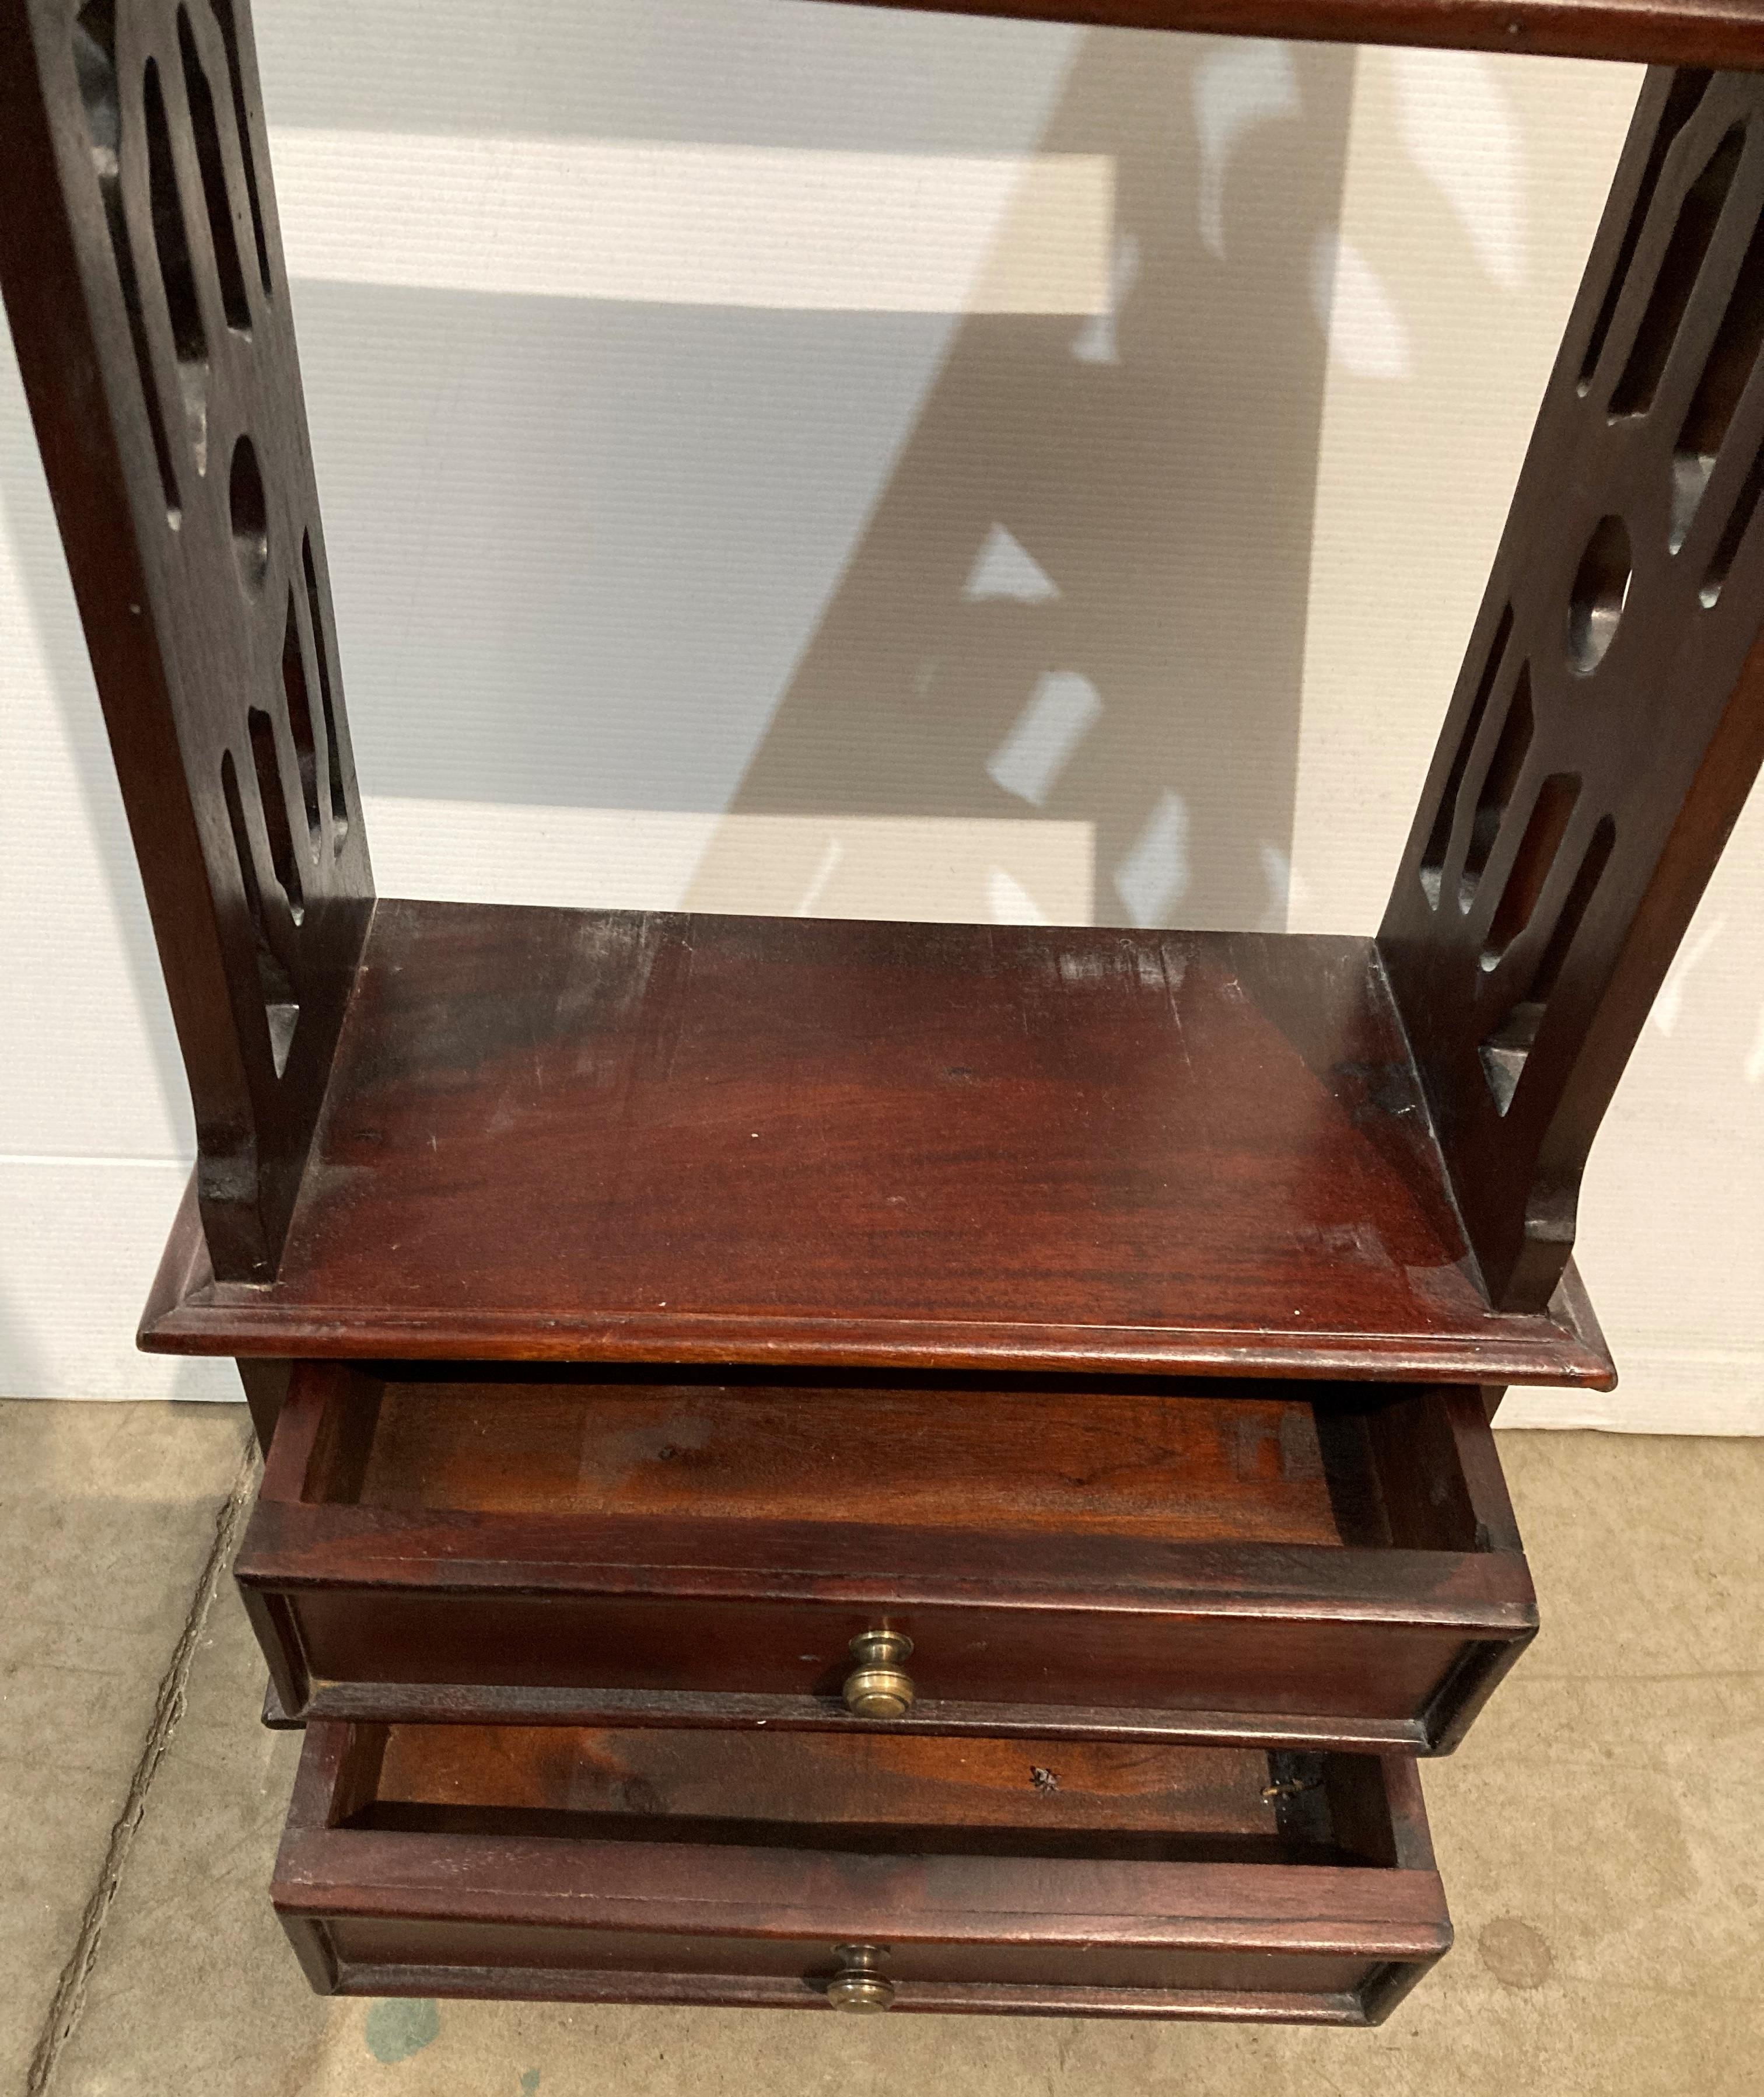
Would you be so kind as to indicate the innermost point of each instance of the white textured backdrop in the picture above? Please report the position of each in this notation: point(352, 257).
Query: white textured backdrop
point(789, 458)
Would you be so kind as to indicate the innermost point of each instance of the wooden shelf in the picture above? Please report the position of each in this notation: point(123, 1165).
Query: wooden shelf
point(591, 1136)
point(1683, 33)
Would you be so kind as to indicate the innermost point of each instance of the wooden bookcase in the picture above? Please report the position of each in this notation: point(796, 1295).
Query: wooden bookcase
point(819, 1462)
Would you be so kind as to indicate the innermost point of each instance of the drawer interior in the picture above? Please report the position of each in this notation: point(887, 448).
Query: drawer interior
point(915, 1795)
point(1290, 1565)
point(1140, 1458)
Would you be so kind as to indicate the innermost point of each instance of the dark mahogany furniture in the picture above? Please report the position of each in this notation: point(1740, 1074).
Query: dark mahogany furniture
point(1120, 1558)
point(838, 1465)
point(652, 1865)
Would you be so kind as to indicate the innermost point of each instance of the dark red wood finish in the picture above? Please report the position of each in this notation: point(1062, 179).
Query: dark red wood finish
point(1681, 33)
point(1247, 1561)
point(655, 1866)
point(1014, 1173)
point(142, 274)
point(570, 1134)
point(1610, 719)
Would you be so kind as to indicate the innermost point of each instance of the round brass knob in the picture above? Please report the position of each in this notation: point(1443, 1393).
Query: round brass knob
point(878, 1687)
point(859, 1984)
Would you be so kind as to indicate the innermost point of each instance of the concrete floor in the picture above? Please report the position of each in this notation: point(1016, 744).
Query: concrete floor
point(1598, 1834)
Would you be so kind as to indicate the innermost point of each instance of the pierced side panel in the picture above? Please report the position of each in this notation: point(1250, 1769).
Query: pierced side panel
point(142, 266)
point(1609, 719)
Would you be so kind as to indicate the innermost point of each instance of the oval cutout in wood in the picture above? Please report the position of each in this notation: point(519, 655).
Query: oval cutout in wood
point(250, 516)
point(1600, 591)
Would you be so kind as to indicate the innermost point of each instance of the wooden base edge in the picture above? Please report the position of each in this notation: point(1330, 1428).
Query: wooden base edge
point(188, 1312)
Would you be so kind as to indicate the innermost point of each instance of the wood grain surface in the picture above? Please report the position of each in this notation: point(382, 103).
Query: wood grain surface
point(505, 1912)
point(599, 1134)
point(1342, 1564)
point(1681, 33)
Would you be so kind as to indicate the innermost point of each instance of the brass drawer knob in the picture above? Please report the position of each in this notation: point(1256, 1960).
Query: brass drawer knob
point(859, 1984)
point(879, 1687)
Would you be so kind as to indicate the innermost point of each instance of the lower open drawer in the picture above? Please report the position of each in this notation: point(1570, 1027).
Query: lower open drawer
point(1295, 1563)
point(811, 1870)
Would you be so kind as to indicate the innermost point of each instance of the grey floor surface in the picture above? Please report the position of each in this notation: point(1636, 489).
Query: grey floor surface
point(1598, 1834)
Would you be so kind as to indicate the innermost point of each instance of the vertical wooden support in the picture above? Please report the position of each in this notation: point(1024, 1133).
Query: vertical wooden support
point(1609, 719)
point(143, 273)
point(266, 1390)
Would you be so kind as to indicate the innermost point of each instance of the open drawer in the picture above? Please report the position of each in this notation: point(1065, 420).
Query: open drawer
point(811, 1870)
point(1272, 1563)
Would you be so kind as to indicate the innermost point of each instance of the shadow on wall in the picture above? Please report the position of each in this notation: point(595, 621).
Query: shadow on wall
point(581, 545)
point(1081, 595)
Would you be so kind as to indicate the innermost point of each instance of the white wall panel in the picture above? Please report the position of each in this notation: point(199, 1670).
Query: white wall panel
point(660, 222)
point(82, 1238)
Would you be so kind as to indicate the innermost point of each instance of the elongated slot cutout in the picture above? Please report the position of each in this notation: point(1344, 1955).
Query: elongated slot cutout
point(1504, 1051)
point(1498, 784)
point(94, 64)
point(1532, 864)
point(282, 1009)
point(210, 158)
point(1732, 359)
point(249, 513)
point(340, 800)
point(267, 761)
point(1739, 523)
point(1446, 815)
point(223, 14)
point(1689, 85)
point(1698, 216)
point(171, 240)
point(300, 718)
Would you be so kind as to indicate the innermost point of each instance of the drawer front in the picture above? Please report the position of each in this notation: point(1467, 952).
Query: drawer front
point(1285, 1667)
point(375, 1956)
point(1279, 1565)
point(917, 1874)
